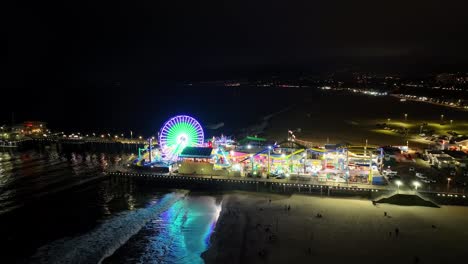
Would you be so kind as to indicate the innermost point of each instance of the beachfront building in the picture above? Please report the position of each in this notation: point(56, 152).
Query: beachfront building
point(29, 128)
point(440, 159)
point(462, 143)
point(460, 158)
point(195, 160)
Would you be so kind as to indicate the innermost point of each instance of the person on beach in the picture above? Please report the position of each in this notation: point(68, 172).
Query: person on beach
point(385, 213)
point(397, 231)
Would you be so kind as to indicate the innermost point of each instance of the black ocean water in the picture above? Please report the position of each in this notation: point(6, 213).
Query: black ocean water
point(50, 212)
point(50, 197)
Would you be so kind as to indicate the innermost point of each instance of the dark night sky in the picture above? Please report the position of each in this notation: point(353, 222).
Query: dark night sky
point(73, 52)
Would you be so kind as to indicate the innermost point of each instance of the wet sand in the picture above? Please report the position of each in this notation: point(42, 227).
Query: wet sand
point(253, 230)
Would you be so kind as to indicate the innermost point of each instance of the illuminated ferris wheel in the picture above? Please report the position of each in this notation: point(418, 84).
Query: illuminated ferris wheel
point(179, 132)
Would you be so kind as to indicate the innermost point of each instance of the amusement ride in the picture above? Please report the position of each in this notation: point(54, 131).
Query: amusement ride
point(293, 156)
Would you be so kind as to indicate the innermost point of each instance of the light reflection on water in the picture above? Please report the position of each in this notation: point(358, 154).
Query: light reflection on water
point(179, 235)
point(26, 174)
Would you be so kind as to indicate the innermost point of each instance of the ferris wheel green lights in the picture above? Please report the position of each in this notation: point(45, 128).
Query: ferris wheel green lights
point(179, 132)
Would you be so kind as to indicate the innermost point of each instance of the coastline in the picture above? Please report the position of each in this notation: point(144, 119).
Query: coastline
point(217, 250)
point(250, 229)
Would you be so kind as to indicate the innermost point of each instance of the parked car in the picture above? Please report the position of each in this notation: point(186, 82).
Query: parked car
point(426, 180)
point(453, 173)
point(389, 173)
point(420, 175)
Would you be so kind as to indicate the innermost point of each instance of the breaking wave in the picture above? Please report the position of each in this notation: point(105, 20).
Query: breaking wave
point(104, 240)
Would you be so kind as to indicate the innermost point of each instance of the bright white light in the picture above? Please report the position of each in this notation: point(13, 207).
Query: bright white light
point(249, 146)
point(182, 139)
point(236, 167)
point(398, 183)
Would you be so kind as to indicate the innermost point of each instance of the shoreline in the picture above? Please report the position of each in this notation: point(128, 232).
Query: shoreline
point(251, 229)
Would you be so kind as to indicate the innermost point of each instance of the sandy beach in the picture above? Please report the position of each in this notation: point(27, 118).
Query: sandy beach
point(252, 229)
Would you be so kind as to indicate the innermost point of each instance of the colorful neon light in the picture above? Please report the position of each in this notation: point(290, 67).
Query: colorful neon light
point(179, 132)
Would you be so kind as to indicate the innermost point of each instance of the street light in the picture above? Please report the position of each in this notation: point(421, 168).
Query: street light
point(448, 184)
point(416, 185)
point(388, 120)
point(441, 118)
point(398, 183)
point(406, 117)
point(269, 152)
point(451, 122)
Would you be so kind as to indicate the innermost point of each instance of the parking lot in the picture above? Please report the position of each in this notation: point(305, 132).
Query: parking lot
point(429, 177)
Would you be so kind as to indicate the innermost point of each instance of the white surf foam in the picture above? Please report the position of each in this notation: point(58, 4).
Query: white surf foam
point(105, 239)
